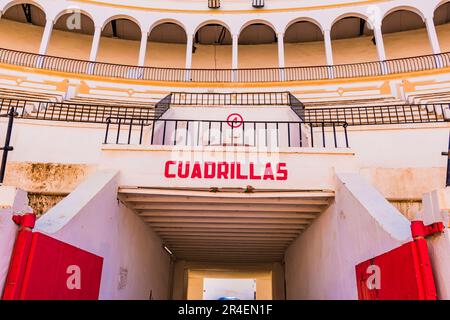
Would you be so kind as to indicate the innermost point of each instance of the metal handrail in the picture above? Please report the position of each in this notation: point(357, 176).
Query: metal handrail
point(361, 115)
point(301, 73)
point(211, 132)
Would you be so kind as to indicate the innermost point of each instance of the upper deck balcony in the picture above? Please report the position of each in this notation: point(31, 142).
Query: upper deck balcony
point(311, 43)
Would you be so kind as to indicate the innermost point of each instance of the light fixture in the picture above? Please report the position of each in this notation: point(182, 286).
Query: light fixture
point(214, 4)
point(258, 3)
point(168, 250)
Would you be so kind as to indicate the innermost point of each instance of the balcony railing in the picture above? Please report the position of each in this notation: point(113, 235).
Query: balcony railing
point(379, 115)
point(354, 70)
point(265, 134)
point(366, 115)
point(76, 112)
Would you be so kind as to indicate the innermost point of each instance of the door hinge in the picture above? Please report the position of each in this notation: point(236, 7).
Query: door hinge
point(420, 230)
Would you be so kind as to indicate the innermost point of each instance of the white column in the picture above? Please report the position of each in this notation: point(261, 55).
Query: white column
point(189, 44)
point(234, 56)
point(235, 43)
point(95, 43)
point(46, 36)
point(281, 65)
point(328, 51)
point(380, 43)
point(380, 48)
point(143, 49)
point(328, 47)
point(280, 41)
point(432, 36)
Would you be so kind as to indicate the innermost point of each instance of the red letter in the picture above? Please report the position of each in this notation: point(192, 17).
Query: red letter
point(232, 170)
point(222, 170)
point(184, 174)
point(268, 172)
point(166, 170)
point(238, 172)
point(196, 171)
point(281, 169)
point(212, 174)
point(253, 176)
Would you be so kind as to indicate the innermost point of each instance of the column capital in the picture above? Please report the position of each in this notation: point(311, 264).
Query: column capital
point(326, 30)
point(377, 26)
point(429, 17)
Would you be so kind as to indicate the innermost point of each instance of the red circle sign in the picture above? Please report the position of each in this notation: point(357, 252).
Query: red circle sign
point(235, 120)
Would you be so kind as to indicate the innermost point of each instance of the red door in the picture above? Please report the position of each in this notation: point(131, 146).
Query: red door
point(44, 268)
point(404, 273)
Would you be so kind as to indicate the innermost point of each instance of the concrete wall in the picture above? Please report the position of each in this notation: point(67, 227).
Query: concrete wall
point(402, 161)
point(359, 225)
point(91, 218)
point(436, 208)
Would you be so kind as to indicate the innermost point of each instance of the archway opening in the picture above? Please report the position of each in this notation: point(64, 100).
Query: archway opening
point(72, 36)
point(404, 35)
point(167, 46)
point(120, 42)
point(21, 27)
point(258, 47)
point(442, 23)
point(353, 41)
point(212, 48)
point(303, 45)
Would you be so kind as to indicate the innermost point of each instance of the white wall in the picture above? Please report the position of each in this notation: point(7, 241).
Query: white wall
point(436, 208)
point(359, 225)
point(12, 201)
point(92, 219)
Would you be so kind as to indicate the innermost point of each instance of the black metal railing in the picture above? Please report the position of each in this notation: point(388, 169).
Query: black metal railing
point(162, 106)
point(378, 115)
point(177, 132)
point(231, 99)
point(7, 147)
point(365, 115)
point(77, 112)
point(297, 106)
point(284, 98)
point(354, 70)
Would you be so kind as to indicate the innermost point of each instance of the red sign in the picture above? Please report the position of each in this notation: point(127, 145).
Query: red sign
point(235, 120)
point(225, 170)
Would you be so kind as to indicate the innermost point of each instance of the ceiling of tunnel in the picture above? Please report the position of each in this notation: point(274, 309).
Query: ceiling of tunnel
point(228, 225)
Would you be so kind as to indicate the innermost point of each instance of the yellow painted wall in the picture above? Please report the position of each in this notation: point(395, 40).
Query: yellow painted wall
point(118, 51)
point(196, 277)
point(165, 55)
point(20, 36)
point(407, 43)
point(304, 54)
point(443, 32)
point(26, 37)
point(258, 56)
point(70, 44)
point(212, 57)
